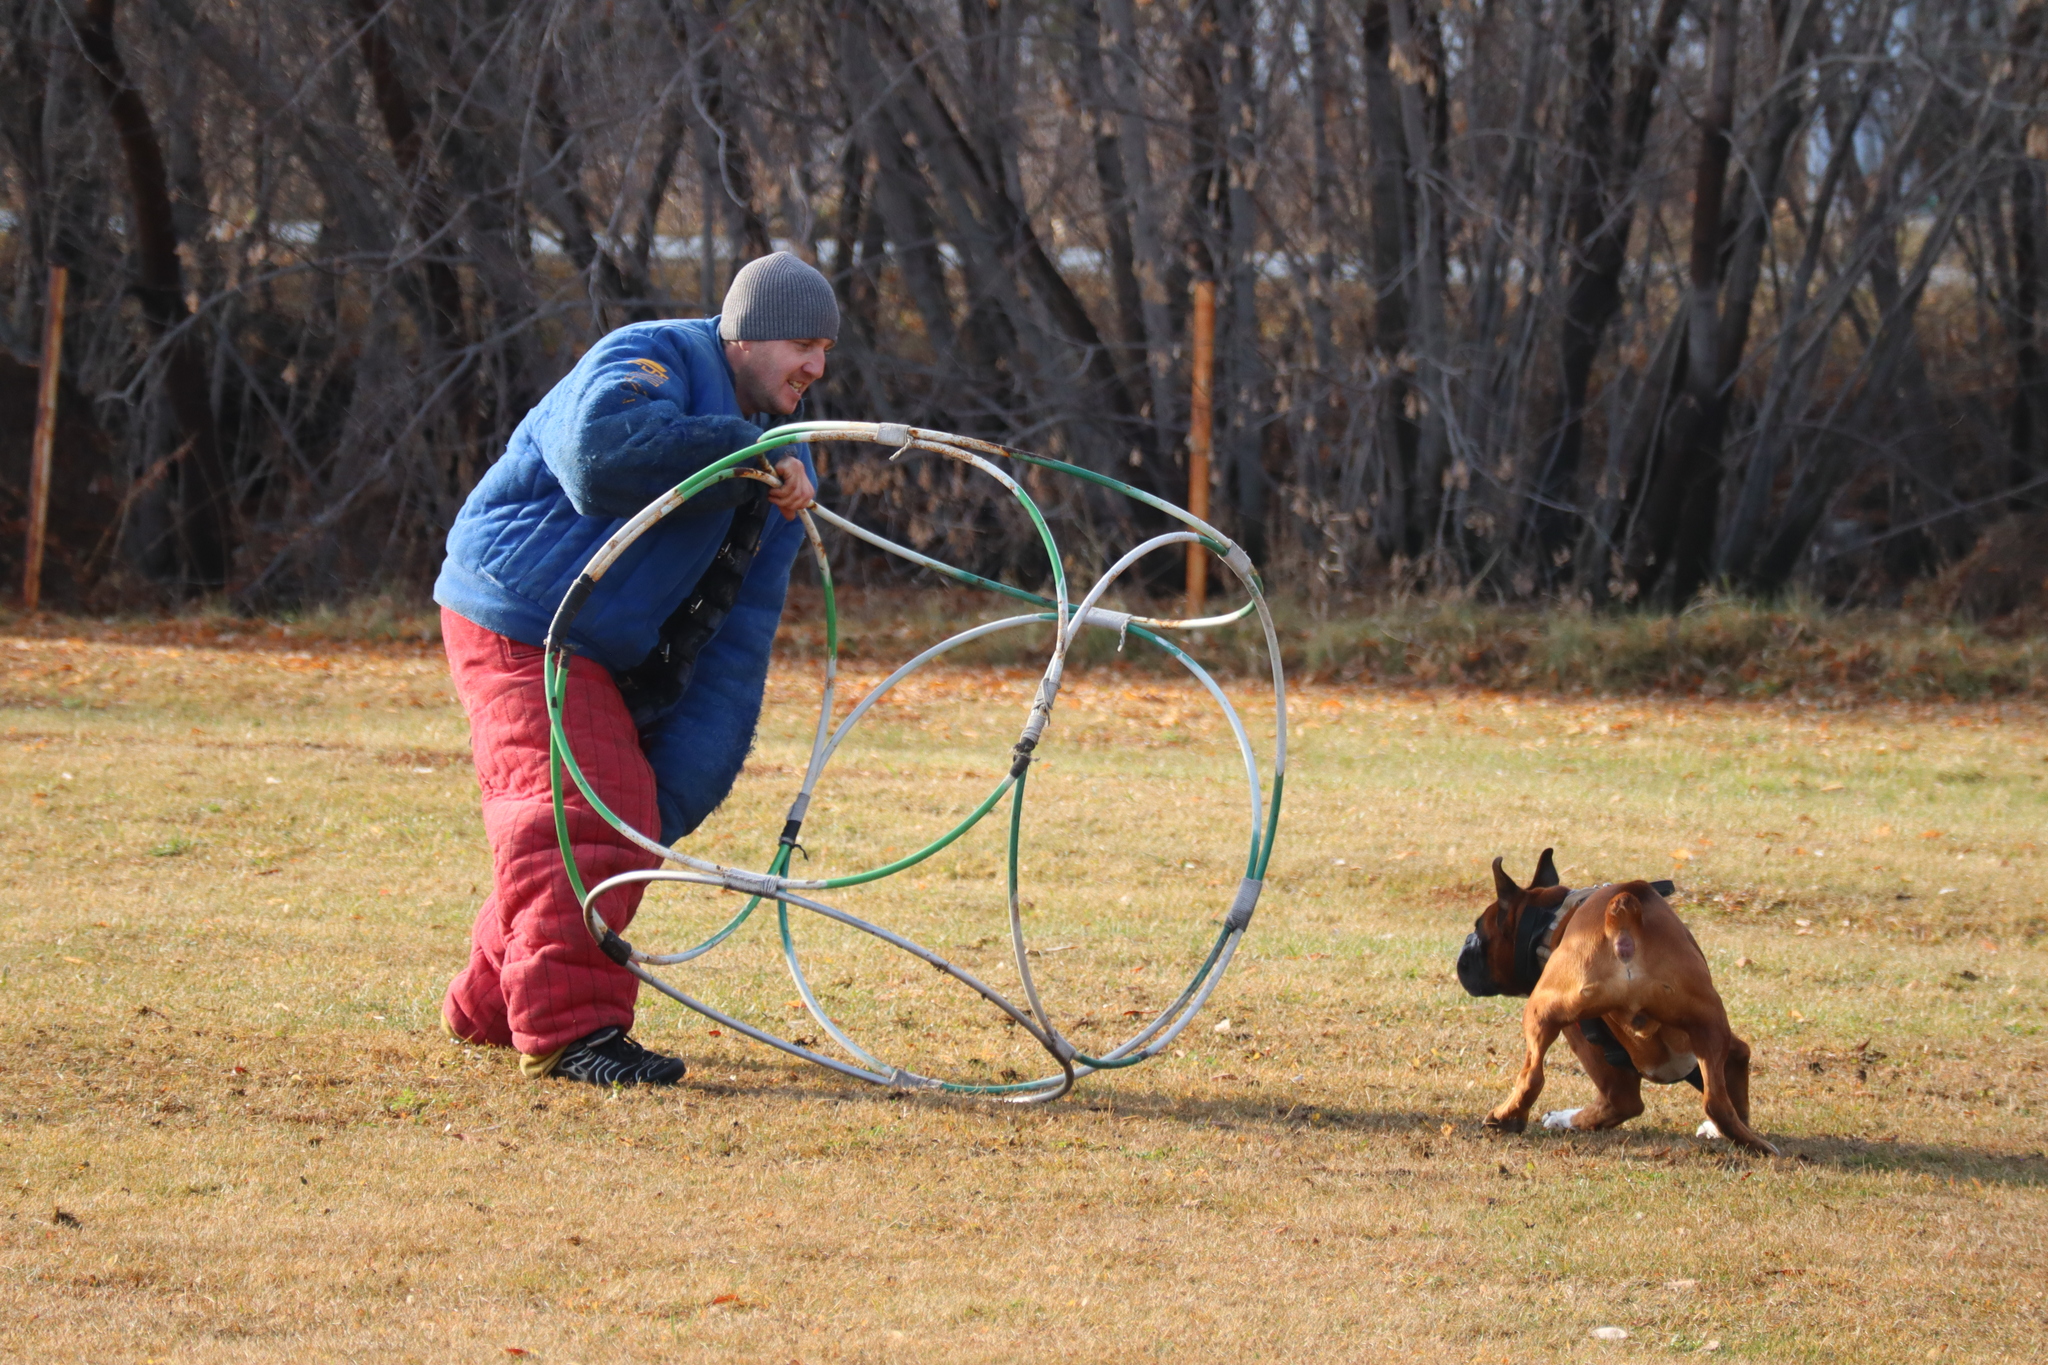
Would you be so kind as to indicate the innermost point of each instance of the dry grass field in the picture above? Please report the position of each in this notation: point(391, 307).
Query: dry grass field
point(241, 871)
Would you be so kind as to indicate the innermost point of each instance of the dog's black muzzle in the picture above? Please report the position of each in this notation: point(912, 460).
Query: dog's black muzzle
point(1473, 973)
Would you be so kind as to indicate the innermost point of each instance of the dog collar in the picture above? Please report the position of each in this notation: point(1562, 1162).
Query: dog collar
point(1532, 941)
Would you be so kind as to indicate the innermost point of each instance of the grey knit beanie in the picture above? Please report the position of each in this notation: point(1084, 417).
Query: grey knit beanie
point(779, 298)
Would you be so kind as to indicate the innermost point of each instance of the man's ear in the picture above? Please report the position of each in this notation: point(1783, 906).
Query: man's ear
point(1546, 872)
point(1504, 888)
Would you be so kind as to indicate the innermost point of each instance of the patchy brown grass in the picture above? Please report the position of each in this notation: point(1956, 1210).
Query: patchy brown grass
point(230, 1131)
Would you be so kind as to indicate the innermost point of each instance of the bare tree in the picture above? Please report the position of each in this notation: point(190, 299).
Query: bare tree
point(1615, 300)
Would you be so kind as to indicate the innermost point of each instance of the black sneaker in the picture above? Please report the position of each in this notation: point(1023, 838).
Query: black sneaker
point(609, 1057)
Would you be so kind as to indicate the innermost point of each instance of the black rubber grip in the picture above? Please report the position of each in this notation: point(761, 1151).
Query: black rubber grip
point(615, 948)
point(789, 832)
point(1022, 761)
point(572, 602)
point(1242, 905)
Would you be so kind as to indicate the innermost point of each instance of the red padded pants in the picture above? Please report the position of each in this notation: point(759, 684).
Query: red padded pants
point(535, 979)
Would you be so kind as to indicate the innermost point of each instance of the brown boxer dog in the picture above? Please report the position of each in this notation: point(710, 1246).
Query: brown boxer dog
point(1617, 973)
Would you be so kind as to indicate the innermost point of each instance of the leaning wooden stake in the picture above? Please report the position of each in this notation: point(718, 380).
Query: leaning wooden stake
point(1201, 419)
point(46, 433)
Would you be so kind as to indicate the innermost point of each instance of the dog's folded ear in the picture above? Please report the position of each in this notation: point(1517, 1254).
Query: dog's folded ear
point(1546, 871)
point(1504, 888)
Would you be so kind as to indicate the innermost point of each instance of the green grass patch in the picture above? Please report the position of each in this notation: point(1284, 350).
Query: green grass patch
point(231, 1129)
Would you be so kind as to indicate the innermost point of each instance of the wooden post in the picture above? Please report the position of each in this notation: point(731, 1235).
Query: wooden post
point(1201, 429)
point(45, 437)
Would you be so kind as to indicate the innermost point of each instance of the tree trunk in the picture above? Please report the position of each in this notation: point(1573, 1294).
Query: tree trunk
point(2028, 424)
point(1398, 528)
point(1203, 208)
point(205, 514)
point(996, 215)
point(1147, 241)
point(2030, 387)
point(1772, 545)
point(697, 26)
point(1099, 121)
point(1241, 373)
point(1593, 293)
point(1322, 283)
point(1792, 370)
point(674, 129)
point(1758, 185)
point(555, 175)
point(330, 151)
point(426, 205)
point(1423, 128)
point(1602, 218)
point(1675, 532)
point(858, 239)
point(964, 360)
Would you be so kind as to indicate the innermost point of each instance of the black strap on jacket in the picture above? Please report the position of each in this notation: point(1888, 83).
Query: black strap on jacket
point(1596, 1032)
point(1532, 939)
point(650, 687)
point(1532, 933)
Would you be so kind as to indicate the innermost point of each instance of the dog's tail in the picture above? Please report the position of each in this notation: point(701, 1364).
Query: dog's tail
point(1625, 906)
point(1625, 918)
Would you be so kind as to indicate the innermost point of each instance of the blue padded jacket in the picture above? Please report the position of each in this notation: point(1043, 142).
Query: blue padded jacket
point(645, 408)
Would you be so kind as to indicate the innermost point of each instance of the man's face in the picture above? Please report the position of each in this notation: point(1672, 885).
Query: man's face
point(771, 376)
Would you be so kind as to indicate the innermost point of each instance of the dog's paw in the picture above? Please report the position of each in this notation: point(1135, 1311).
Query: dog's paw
point(1560, 1119)
point(1708, 1130)
point(1504, 1125)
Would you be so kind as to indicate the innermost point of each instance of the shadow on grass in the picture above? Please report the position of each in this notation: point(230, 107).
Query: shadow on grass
point(1940, 1163)
point(1425, 1131)
point(1440, 1130)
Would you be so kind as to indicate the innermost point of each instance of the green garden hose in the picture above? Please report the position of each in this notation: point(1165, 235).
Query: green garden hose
point(775, 884)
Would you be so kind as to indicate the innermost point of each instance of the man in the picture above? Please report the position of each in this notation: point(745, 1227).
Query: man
point(670, 652)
